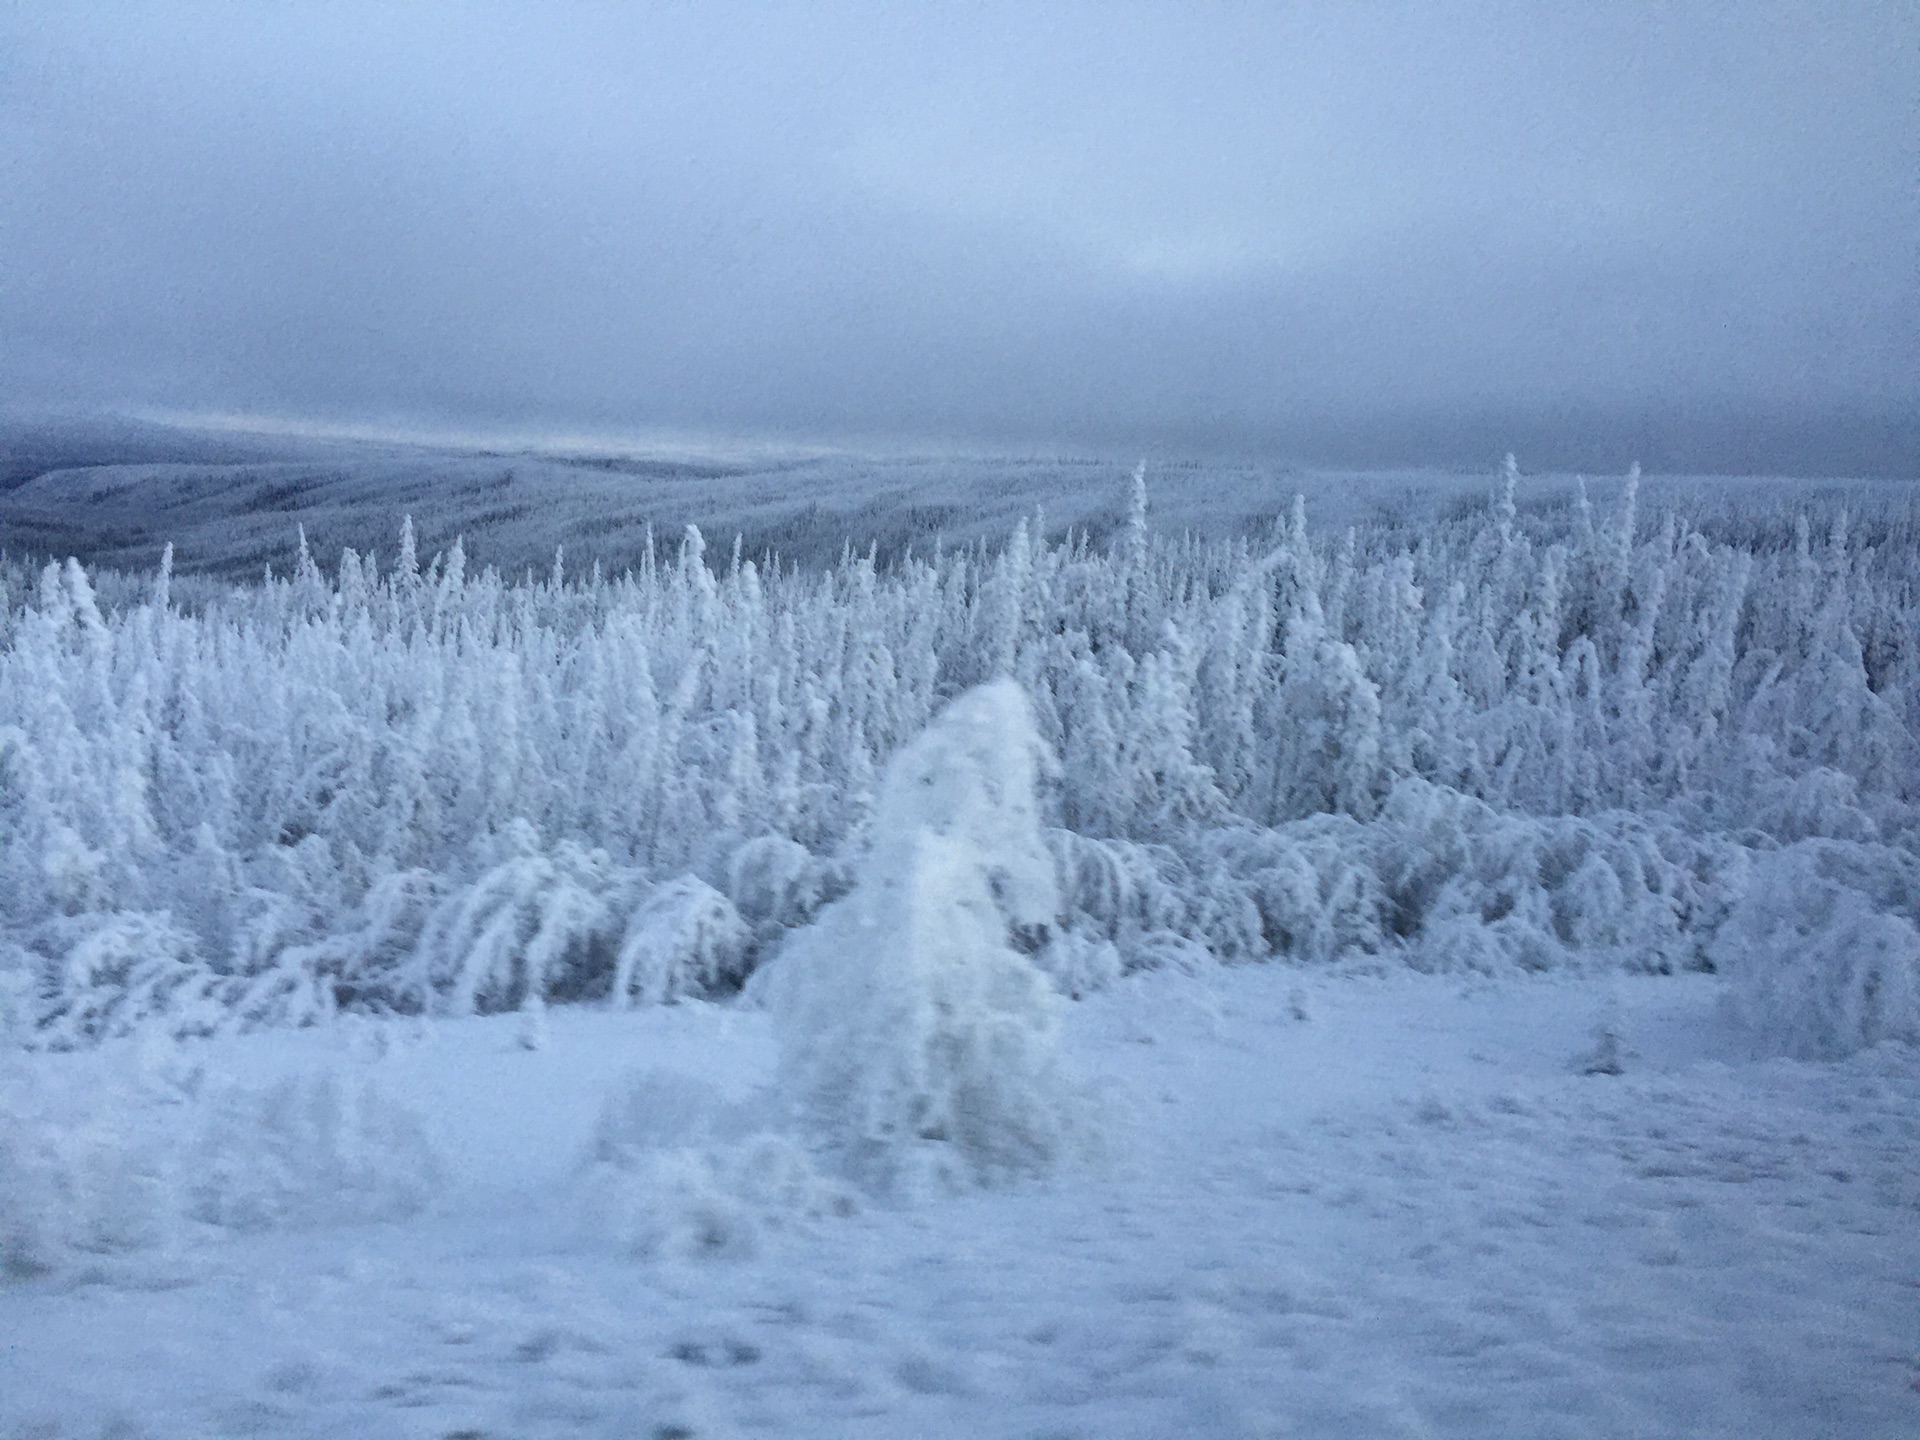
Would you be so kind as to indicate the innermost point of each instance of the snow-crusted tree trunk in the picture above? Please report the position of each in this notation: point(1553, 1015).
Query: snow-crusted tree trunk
point(916, 1040)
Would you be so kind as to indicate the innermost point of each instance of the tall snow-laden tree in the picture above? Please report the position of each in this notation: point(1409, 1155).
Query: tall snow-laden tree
point(916, 1040)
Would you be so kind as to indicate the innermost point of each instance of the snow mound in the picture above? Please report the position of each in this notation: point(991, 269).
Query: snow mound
point(1822, 954)
point(917, 1041)
point(130, 1158)
point(679, 1172)
point(722, 1201)
point(310, 1150)
point(78, 1180)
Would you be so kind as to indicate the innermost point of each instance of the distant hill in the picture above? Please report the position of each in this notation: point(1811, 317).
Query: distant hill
point(113, 492)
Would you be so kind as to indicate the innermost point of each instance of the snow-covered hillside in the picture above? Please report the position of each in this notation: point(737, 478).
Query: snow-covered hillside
point(234, 502)
point(1454, 976)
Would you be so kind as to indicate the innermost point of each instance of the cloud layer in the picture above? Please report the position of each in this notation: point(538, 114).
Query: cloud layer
point(1252, 227)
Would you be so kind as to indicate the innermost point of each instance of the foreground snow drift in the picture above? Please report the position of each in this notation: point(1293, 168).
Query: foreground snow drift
point(109, 1163)
point(1406, 1214)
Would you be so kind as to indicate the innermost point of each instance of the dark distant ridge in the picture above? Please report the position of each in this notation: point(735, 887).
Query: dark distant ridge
point(115, 492)
point(32, 446)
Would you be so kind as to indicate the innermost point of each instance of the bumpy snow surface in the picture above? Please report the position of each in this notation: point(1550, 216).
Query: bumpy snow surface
point(1393, 1205)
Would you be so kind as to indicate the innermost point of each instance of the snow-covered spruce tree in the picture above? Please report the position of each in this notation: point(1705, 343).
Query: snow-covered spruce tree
point(916, 1041)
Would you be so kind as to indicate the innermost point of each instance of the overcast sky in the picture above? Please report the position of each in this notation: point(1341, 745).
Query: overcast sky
point(1285, 228)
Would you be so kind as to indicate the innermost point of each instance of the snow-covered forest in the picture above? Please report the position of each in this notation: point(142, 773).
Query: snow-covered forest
point(1573, 739)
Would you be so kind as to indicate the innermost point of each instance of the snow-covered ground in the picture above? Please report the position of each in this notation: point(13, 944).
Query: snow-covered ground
point(1353, 1205)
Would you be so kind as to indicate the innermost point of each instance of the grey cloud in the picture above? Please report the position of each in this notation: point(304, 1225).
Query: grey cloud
point(1246, 225)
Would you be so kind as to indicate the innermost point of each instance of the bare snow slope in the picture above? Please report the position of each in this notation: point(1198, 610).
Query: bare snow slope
point(1406, 1214)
